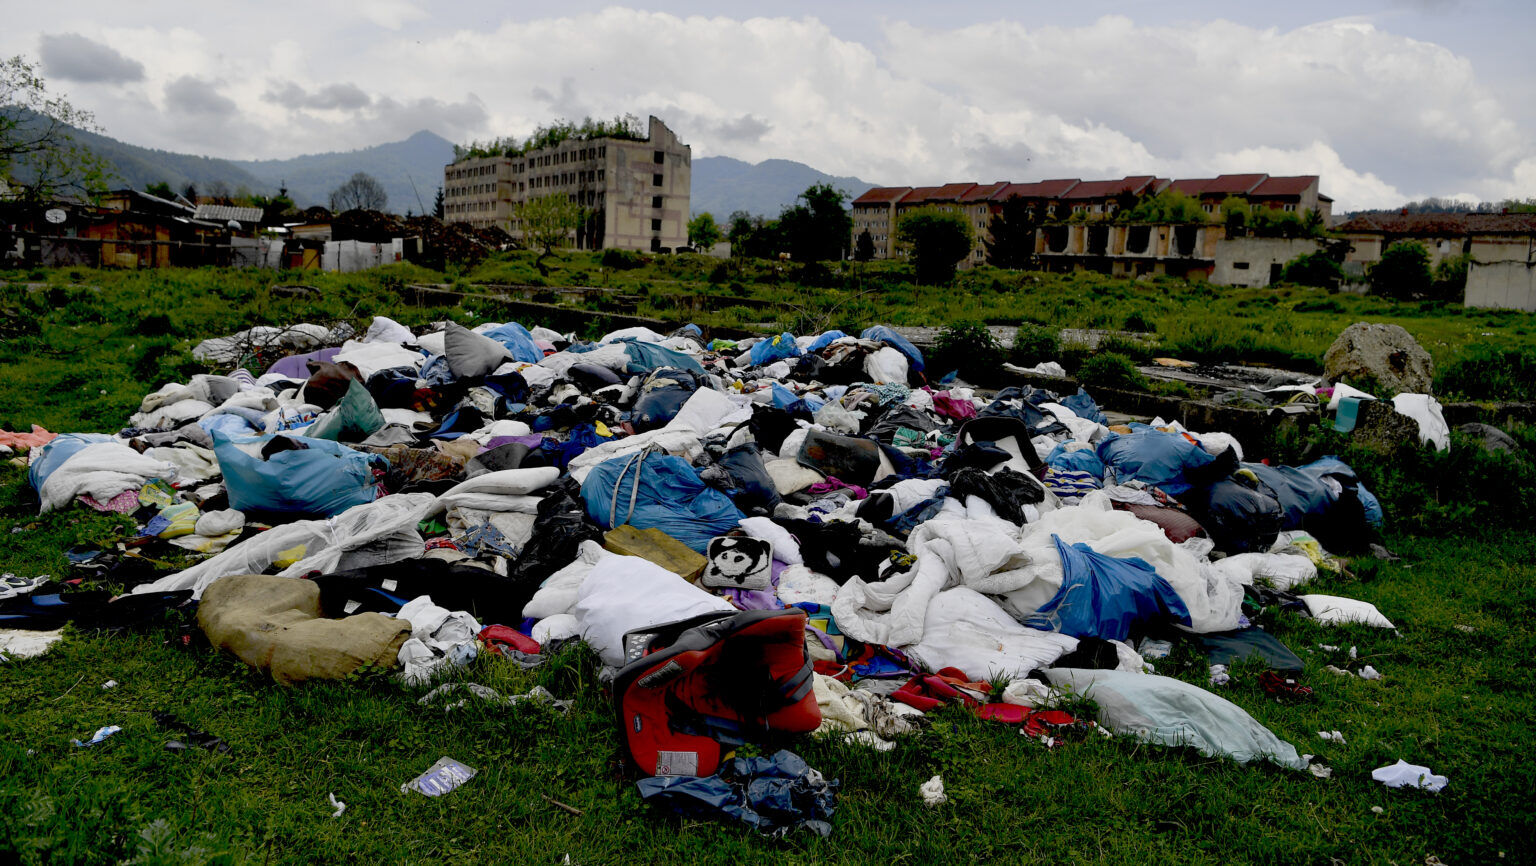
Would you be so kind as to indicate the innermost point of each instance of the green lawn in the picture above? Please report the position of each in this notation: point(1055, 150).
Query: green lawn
point(1457, 701)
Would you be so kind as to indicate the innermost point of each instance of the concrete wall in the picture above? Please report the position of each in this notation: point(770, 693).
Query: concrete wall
point(1249, 262)
point(1503, 285)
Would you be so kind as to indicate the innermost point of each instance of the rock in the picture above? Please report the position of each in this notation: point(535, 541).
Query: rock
point(1386, 357)
point(1381, 428)
point(1491, 438)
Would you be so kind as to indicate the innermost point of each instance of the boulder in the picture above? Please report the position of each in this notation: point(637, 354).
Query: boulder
point(1381, 428)
point(1379, 357)
point(1491, 438)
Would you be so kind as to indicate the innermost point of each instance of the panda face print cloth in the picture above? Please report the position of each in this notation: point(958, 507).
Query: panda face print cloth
point(738, 562)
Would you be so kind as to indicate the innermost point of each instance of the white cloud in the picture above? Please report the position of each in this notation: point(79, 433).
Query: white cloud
point(1382, 117)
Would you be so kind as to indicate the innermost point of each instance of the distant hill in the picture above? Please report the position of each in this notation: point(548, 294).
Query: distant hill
point(141, 166)
point(311, 178)
point(722, 185)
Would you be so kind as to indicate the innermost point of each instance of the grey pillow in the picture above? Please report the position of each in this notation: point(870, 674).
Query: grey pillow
point(471, 355)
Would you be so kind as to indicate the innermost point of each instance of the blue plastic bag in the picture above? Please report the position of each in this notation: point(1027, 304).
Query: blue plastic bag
point(882, 334)
point(1082, 404)
point(671, 497)
point(320, 480)
point(1104, 596)
point(767, 351)
point(825, 340)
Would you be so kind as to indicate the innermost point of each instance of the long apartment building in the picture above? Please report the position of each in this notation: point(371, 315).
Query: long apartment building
point(636, 191)
point(880, 209)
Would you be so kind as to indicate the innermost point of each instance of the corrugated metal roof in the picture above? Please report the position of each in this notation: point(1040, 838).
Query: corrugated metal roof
point(225, 213)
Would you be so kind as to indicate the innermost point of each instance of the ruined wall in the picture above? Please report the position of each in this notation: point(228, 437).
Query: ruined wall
point(1250, 262)
point(1507, 285)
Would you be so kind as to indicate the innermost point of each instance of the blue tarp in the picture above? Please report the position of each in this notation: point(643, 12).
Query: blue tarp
point(645, 357)
point(1104, 596)
point(671, 498)
point(768, 350)
point(1331, 465)
point(320, 480)
point(1153, 457)
point(882, 334)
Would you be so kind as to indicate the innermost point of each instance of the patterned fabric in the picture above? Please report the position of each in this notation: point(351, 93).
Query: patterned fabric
point(126, 502)
point(1070, 484)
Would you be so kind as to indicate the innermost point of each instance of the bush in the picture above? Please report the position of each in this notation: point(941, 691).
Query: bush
point(1138, 321)
point(1314, 269)
point(969, 348)
point(1450, 283)
point(1403, 271)
point(1486, 373)
point(1111, 370)
point(1034, 344)
point(620, 260)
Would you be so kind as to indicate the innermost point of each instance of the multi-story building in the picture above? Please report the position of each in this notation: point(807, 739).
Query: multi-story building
point(636, 191)
point(1090, 240)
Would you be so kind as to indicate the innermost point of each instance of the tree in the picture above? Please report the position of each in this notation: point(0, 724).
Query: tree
point(1168, 206)
point(938, 241)
point(864, 247)
point(703, 233)
point(161, 189)
point(1011, 235)
point(360, 192)
point(818, 227)
point(547, 222)
point(40, 159)
point(437, 204)
point(273, 207)
point(1403, 271)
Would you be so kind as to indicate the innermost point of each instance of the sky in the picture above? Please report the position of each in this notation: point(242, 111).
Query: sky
point(1387, 100)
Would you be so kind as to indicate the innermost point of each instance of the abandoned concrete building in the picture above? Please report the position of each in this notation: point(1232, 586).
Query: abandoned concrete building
point(1501, 272)
point(1094, 243)
point(636, 191)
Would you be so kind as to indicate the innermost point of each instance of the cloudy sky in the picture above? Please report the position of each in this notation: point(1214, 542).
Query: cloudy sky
point(1388, 100)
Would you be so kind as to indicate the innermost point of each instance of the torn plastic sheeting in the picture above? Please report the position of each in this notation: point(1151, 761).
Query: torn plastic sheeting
point(645, 357)
point(824, 340)
point(1170, 712)
point(1104, 596)
point(770, 349)
point(773, 795)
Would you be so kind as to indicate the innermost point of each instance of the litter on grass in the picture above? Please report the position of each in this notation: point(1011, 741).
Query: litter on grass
point(794, 534)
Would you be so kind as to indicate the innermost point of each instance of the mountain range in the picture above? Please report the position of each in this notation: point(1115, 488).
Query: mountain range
point(412, 170)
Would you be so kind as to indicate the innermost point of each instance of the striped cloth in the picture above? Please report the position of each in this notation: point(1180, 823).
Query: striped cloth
point(1070, 484)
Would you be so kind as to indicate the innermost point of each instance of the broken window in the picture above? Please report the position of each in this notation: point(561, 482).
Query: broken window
point(1184, 240)
point(1098, 240)
point(655, 180)
point(1241, 266)
point(1056, 238)
point(661, 157)
point(655, 225)
point(656, 201)
point(1137, 238)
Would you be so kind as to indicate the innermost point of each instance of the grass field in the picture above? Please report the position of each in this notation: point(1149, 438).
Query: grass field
point(1457, 692)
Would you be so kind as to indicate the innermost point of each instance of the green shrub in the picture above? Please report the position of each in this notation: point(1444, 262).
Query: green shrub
point(154, 325)
point(1034, 344)
point(1450, 283)
point(1111, 370)
point(620, 260)
point(1314, 269)
point(1138, 321)
point(1403, 271)
point(1483, 372)
point(969, 348)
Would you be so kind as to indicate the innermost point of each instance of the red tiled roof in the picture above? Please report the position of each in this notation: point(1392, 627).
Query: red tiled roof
point(1431, 224)
point(1107, 188)
point(1285, 185)
point(947, 192)
point(1191, 185)
point(1234, 184)
point(1038, 189)
point(882, 195)
point(983, 191)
